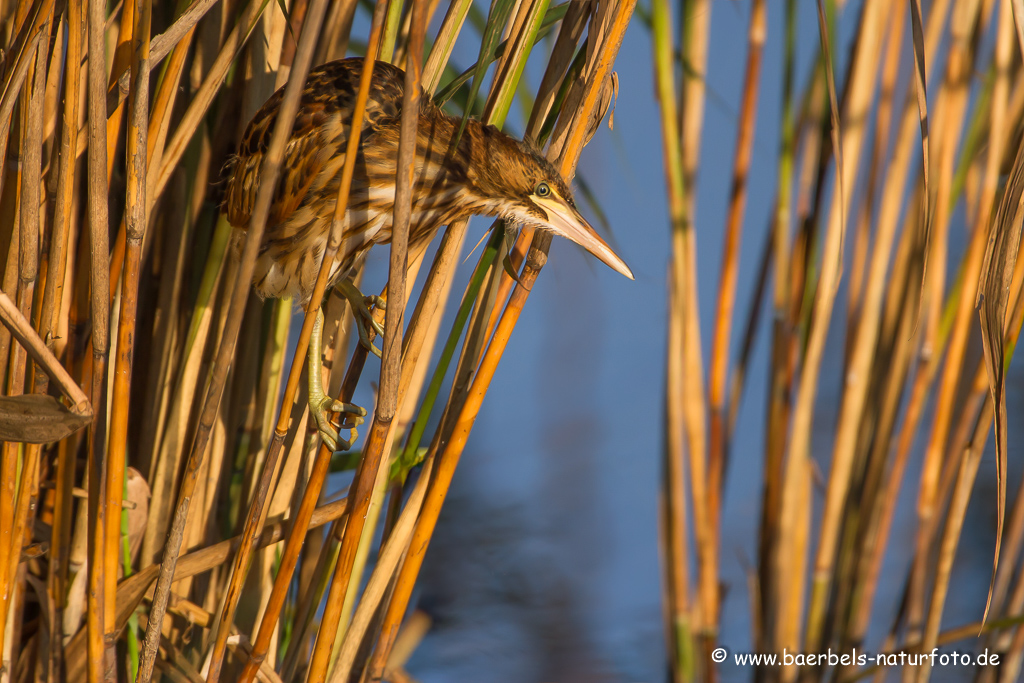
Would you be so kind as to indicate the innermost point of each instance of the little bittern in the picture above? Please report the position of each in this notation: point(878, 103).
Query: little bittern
point(488, 173)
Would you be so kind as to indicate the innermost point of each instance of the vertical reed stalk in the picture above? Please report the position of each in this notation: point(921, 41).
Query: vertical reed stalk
point(718, 379)
point(680, 621)
point(53, 295)
point(100, 315)
point(136, 220)
point(694, 44)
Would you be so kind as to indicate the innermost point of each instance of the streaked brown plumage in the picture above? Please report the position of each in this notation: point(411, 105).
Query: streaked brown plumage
point(489, 174)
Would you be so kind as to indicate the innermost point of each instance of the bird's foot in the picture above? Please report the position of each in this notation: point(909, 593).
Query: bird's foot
point(320, 404)
point(352, 416)
point(361, 310)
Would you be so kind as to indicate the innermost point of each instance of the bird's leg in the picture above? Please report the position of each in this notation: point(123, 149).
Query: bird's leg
point(361, 312)
point(321, 404)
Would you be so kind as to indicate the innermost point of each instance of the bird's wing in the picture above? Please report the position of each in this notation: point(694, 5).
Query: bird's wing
point(304, 158)
point(318, 140)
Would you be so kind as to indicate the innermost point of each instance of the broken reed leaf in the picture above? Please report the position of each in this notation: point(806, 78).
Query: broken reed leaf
point(35, 418)
point(993, 297)
point(921, 88)
point(510, 244)
point(836, 131)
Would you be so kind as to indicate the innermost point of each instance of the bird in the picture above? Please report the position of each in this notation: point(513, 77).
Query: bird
point(481, 171)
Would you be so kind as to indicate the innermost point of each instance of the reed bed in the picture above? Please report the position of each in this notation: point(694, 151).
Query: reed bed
point(872, 179)
point(162, 486)
point(142, 512)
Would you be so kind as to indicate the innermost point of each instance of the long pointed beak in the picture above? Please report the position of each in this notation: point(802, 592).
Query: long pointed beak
point(567, 222)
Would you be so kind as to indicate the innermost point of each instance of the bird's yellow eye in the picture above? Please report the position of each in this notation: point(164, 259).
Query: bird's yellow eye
point(542, 190)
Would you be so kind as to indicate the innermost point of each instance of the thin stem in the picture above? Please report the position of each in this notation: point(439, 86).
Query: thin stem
point(136, 220)
point(100, 312)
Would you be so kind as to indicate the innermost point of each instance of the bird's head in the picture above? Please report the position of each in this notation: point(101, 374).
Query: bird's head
point(510, 179)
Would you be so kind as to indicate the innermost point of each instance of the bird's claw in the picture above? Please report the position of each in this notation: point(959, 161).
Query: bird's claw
point(366, 322)
point(320, 404)
point(361, 305)
point(352, 417)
